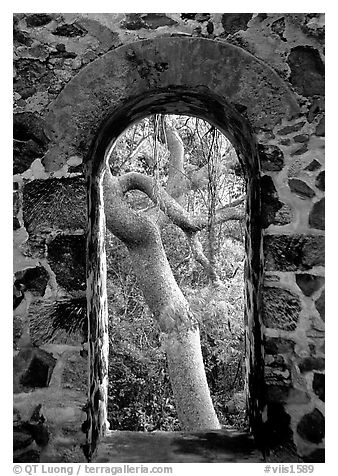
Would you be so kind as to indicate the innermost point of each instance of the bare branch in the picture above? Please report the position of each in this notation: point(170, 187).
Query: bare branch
point(129, 226)
point(197, 251)
point(178, 215)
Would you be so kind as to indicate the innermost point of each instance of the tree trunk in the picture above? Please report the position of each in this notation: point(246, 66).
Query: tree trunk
point(179, 328)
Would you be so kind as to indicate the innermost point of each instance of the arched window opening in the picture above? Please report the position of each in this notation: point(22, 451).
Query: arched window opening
point(185, 162)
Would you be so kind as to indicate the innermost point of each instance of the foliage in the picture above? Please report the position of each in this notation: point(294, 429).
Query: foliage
point(140, 396)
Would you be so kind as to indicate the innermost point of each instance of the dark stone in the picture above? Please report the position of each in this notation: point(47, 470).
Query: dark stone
point(21, 440)
point(278, 27)
point(55, 204)
point(285, 142)
point(133, 21)
point(277, 428)
point(293, 252)
point(107, 38)
point(281, 393)
point(16, 203)
point(313, 165)
point(271, 157)
point(202, 17)
point(29, 456)
point(16, 224)
point(283, 216)
point(188, 16)
point(210, 27)
point(313, 252)
point(318, 385)
point(70, 30)
point(288, 129)
point(320, 129)
point(309, 283)
point(155, 20)
point(21, 37)
point(317, 456)
point(24, 154)
point(32, 367)
point(18, 294)
point(317, 107)
point(233, 22)
point(34, 280)
point(65, 315)
point(32, 76)
point(301, 138)
point(312, 363)
point(317, 215)
point(277, 362)
point(307, 71)
point(36, 427)
point(61, 52)
point(312, 426)
point(320, 181)
point(152, 21)
point(300, 188)
point(17, 331)
point(30, 141)
point(300, 151)
point(38, 19)
point(318, 32)
point(270, 204)
point(76, 168)
point(320, 305)
point(280, 308)
point(277, 345)
point(67, 258)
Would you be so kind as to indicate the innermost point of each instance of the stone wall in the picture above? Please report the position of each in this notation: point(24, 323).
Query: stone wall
point(50, 196)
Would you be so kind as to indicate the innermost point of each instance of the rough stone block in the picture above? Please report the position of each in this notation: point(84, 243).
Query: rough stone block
point(300, 188)
point(21, 439)
point(312, 426)
point(55, 204)
point(320, 181)
point(311, 363)
point(30, 141)
point(317, 215)
point(320, 129)
point(67, 258)
point(29, 456)
point(316, 456)
point(277, 345)
point(318, 385)
point(301, 138)
point(309, 283)
point(33, 367)
point(288, 129)
point(233, 22)
point(271, 206)
point(271, 157)
point(34, 280)
point(307, 71)
point(286, 394)
point(70, 30)
point(313, 165)
point(293, 252)
point(277, 429)
point(320, 305)
point(38, 19)
point(280, 308)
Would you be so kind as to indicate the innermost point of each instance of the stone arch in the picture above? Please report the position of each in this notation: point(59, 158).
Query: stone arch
point(212, 80)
